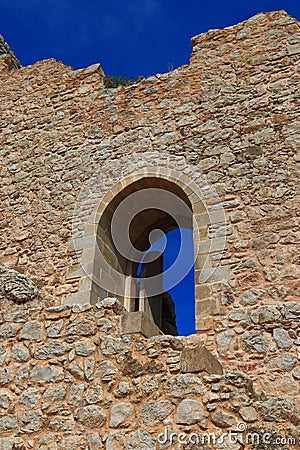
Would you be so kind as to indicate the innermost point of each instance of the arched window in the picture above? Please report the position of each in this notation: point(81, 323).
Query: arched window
point(132, 214)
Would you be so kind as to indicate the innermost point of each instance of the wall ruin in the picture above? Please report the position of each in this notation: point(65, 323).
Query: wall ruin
point(231, 114)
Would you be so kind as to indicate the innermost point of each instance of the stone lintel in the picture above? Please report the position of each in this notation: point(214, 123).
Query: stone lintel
point(199, 359)
point(138, 322)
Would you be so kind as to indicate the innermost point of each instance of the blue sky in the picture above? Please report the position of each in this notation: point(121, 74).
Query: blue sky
point(177, 245)
point(132, 38)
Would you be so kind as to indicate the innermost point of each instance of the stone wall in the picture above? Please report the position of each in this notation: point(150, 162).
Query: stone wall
point(8, 59)
point(70, 379)
point(230, 115)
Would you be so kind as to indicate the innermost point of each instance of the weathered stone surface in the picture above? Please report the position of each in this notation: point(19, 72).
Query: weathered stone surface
point(62, 424)
point(255, 341)
point(189, 412)
point(124, 389)
point(53, 394)
point(29, 398)
point(91, 416)
point(154, 412)
point(106, 371)
point(183, 385)
point(282, 339)
point(46, 373)
point(51, 349)
point(292, 310)
point(6, 398)
point(119, 413)
point(84, 348)
point(111, 345)
point(31, 330)
point(284, 362)
point(5, 376)
point(248, 413)
point(8, 423)
point(76, 393)
point(222, 420)
point(265, 314)
point(8, 330)
point(279, 409)
point(20, 353)
point(223, 341)
point(31, 421)
point(16, 286)
point(199, 359)
point(81, 328)
point(142, 440)
point(250, 298)
point(94, 393)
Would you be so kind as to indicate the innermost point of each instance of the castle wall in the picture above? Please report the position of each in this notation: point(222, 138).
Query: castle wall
point(230, 114)
point(70, 379)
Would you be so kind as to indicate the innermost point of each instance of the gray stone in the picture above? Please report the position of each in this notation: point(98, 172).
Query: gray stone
point(106, 371)
point(47, 374)
point(189, 412)
point(8, 423)
point(149, 385)
point(81, 328)
point(94, 441)
point(51, 349)
point(53, 394)
point(265, 314)
point(223, 341)
point(141, 440)
point(76, 393)
point(282, 339)
point(91, 416)
point(154, 412)
point(237, 315)
point(222, 420)
point(5, 376)
point(119, 413)
point(54, 330)
point(8, 330)
point(124, 389)
point(84, 348)
point(16, 286)
point(6, 398)
point(285, 362)
point(31, 421)
point(296, 373)
point(20, 353)
point(61, 424)
point(279, 410)
point(29, 398)
point(255, 341)
point(183, 385)
point(31, 330)
point(115, 441)
point(112, 303)
point(88, 367)
point(94, 393)
point(198, 359)
point(22, 374)
point(292, 310)
point(250, 298)
point(111, 345)
point(248, 413)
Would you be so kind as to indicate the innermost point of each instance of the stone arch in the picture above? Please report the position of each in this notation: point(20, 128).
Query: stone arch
point(206, 212)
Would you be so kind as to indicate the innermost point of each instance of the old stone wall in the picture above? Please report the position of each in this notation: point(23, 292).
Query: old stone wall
point(69, 379)
point(8, 59)
point(231, 114)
